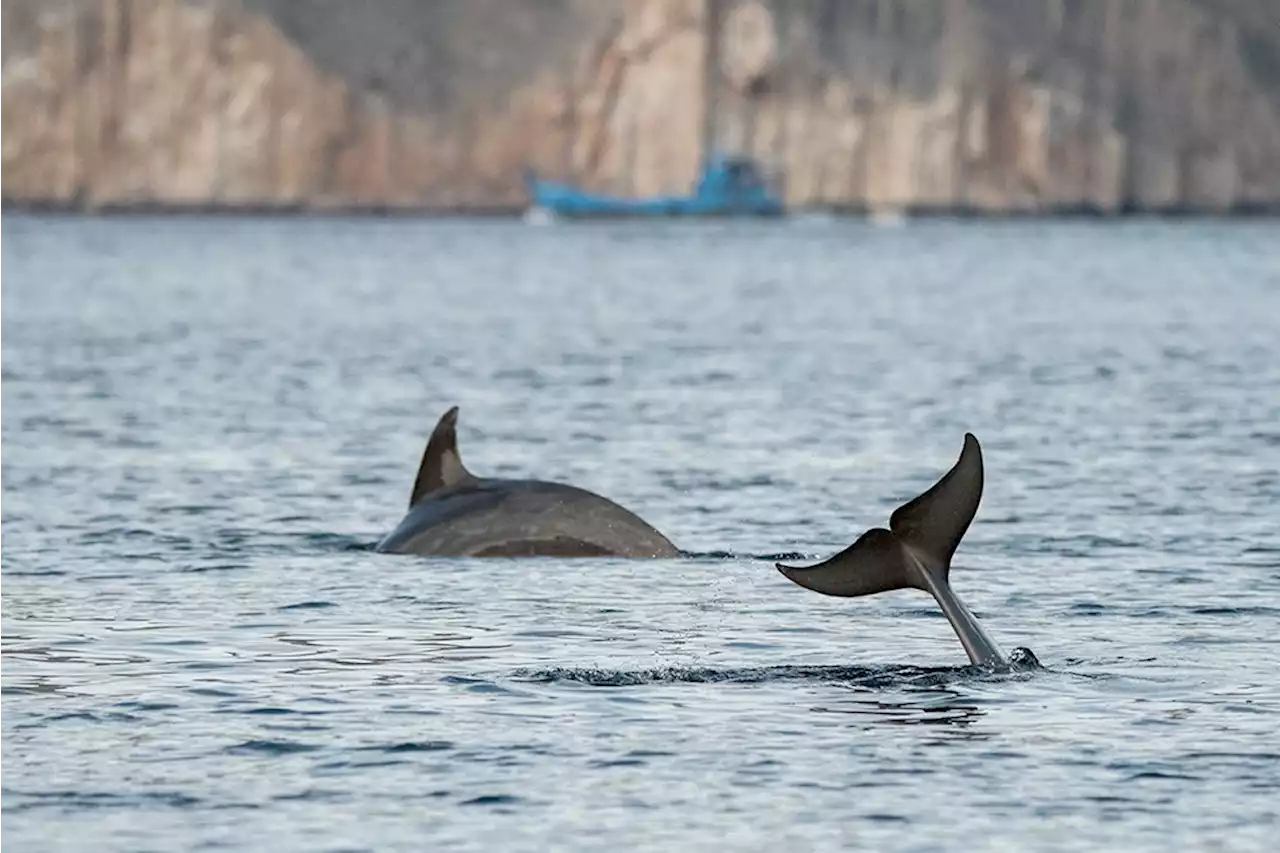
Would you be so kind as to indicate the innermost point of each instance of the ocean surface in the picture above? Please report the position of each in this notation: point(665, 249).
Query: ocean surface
point(209, 422)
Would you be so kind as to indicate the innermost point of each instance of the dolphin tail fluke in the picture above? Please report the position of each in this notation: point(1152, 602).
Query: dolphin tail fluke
point(915, 552)
point(933, 523)
point(874, 563)
point(923, 534)
point(441, 465)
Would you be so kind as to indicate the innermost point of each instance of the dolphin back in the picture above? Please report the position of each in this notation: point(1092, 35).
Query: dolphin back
point(453, 513)
point(523, 518)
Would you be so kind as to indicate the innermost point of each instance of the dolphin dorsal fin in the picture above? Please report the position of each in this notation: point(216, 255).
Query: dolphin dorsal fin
point(441, 465)
point(930, 526)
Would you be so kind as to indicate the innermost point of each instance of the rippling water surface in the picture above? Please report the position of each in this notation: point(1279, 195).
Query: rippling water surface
point(207, 423)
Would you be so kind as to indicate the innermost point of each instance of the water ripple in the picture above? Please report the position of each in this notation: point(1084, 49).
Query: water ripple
point(209, 424)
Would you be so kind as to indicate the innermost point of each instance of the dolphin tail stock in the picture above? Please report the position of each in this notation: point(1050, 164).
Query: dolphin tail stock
point(915, 553)
point(441, 465)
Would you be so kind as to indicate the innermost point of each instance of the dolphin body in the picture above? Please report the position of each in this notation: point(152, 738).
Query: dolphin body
point(453, 513)
point(915, 553)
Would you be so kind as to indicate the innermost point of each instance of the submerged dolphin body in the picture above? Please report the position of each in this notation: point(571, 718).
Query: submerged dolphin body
point(453, 513)
point(915, 553)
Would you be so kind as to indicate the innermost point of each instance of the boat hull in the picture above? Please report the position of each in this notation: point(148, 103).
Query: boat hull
point(565, 201)
point(726, 187)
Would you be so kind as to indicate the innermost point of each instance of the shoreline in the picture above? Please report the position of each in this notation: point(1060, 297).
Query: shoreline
point(1260, 210)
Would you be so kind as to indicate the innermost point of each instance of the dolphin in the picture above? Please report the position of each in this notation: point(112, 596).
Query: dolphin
point(915, 553)
point(453, 513)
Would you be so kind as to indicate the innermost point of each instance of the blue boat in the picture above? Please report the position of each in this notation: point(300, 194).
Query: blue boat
point(727, 186)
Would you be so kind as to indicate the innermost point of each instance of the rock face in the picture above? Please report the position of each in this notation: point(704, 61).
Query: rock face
point(990, 105)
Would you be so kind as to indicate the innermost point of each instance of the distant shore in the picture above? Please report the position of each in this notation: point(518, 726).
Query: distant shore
point(375, 211)
point(964, 110)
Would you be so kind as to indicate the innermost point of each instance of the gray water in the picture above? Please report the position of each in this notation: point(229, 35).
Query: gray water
point(208, 423)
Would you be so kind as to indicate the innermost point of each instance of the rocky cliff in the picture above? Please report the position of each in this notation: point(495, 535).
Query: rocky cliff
point(994, 105)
